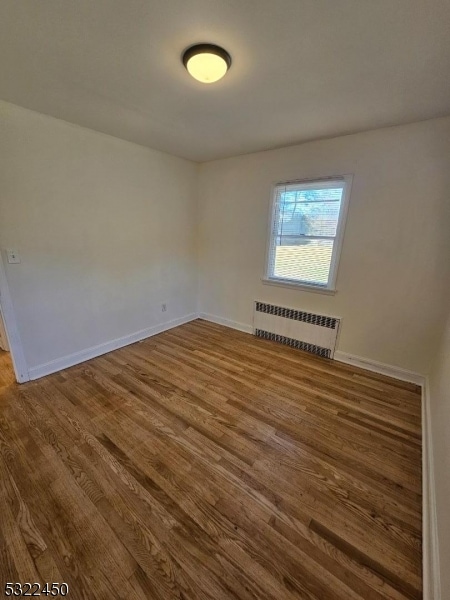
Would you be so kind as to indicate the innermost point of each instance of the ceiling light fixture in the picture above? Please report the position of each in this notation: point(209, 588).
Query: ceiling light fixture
point(206, 62)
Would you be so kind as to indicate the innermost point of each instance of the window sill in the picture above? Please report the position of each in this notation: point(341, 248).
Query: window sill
point(304, 287)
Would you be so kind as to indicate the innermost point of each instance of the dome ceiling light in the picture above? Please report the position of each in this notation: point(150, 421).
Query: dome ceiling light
point(206, 62)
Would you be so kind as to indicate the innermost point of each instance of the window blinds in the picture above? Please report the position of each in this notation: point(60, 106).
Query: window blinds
point(305, 223)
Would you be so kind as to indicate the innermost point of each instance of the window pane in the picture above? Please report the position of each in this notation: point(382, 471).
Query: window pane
point(304, 227)
point(308, 213)
point(307, 261)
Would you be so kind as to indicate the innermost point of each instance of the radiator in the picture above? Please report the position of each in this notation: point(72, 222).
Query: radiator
point(303, 330)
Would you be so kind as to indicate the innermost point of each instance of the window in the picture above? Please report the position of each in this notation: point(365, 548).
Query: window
point(307, 226)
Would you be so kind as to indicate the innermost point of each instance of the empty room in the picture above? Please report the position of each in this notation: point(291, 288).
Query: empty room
point(225, 299)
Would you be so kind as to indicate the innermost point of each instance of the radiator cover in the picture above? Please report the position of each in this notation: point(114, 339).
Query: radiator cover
point(303, 330)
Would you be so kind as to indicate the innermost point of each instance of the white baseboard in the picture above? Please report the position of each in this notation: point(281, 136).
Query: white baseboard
point(430, 539)
point(381, 368)
point(78, 357)
point(226, 322)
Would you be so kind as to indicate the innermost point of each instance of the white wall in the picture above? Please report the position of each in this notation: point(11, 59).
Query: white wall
point(105, 231)
point(440, 427)
point(391, 284)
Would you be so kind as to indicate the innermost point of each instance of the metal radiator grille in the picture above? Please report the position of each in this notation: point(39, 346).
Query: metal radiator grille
point(324, 352)
point(297, 315)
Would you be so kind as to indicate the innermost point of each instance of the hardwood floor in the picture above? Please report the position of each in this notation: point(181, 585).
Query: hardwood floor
point(6, 370)
point(206, 463)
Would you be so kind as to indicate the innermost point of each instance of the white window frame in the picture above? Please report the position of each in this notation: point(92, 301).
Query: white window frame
point(320, 182)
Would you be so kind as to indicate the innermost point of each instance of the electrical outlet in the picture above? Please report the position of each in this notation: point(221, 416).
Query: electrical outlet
point(164, 307)
point(13, 257)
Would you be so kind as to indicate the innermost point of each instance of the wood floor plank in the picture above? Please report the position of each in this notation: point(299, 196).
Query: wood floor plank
point(205, 463)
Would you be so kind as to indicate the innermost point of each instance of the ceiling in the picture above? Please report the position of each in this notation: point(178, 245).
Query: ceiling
point(302, 69)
